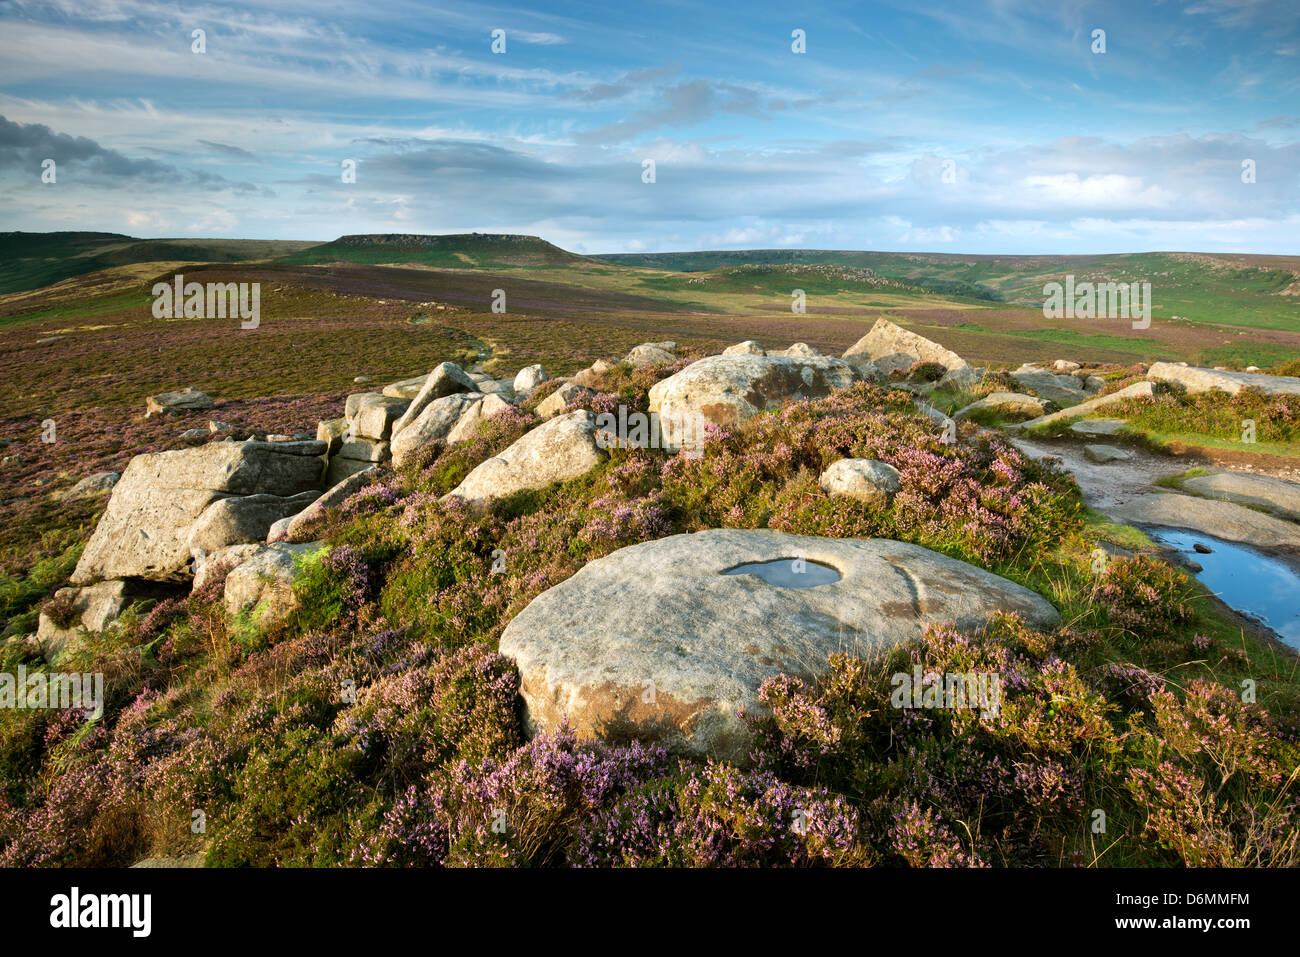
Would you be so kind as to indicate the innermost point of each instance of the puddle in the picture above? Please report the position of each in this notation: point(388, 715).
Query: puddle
point(789, 572)
point(1259, 587)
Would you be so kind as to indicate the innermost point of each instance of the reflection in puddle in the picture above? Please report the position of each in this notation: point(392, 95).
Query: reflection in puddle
point(1254, 584)
point(789, 572)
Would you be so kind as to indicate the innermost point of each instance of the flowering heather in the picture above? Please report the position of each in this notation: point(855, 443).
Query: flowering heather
point(1173, 412)
point(378, 726)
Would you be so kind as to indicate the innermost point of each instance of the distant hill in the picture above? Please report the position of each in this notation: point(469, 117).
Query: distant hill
point(32, 260)
point(451, 251)
point(1238, 289)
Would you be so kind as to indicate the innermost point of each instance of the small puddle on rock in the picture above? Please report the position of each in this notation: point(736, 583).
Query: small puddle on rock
point(789, 572)
point(1256, 585)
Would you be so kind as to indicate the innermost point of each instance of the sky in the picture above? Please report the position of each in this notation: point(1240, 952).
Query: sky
point(974, 127)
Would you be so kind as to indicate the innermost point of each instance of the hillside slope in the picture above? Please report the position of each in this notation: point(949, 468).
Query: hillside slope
point(454, 250)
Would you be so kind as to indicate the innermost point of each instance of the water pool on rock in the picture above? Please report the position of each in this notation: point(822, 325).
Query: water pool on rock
point(1255, 584)
point(789, 572)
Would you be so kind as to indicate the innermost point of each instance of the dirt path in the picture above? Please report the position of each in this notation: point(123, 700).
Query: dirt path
point(1119, 483)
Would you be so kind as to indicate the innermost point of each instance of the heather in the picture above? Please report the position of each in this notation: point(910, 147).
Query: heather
point(1221, 417)
point(378, 726)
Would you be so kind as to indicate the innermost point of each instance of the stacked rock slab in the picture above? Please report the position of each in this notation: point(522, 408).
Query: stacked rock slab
point(589, 648)
point(144, 532)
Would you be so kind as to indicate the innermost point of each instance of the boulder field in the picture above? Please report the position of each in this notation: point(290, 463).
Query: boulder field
point(665, 641)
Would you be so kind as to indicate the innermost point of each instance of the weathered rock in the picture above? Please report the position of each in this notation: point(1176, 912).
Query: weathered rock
point(143, 532)
point(375, 417)
point(1092, 427)
point(965, 378)
point(95, 484)
point(1065, 366)
point(748, 347)
point(1105, 454)
point(648, 354)
point(556, 451)
point(242, 518)
point(554, 403)
point(1225, 520)
point(364, 450)
point(494, 387)
point(726, 390)
point(892, 348)
point(1006, 404)
point(589, 378)
point(195, 435)
point(1138, 390)
point(865, 369)
point(407, 388)
point(590, 648)
point(331, 432)
point(263, 582)
point(1278, 496)
point(183, 401)
point(1195, 380)
point(434, 422)
point(95, 607)
point(445, 380)
point(866, 480)
point(1093, 384)
point(296, 527)
point(467, 425)
point(528, 378)
point(207, 564)
point(798, 349)
point(1064, 390)
point(352, 404)
point(342, 466)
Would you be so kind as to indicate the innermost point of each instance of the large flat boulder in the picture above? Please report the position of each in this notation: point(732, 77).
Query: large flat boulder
point(728, 389)
point(560, 450)
point(1278, 496)
point(656, 642)
point(145, 529)
point(891, 348)
point(1196, 379)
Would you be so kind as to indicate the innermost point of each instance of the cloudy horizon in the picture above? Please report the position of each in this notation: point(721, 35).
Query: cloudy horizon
point(985, 128)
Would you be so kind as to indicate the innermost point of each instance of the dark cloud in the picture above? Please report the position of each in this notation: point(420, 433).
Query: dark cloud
point(627, 83)
point(23, 146)
point(225, 149)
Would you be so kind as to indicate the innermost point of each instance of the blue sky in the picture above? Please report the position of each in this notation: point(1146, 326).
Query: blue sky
point(1048, 146)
